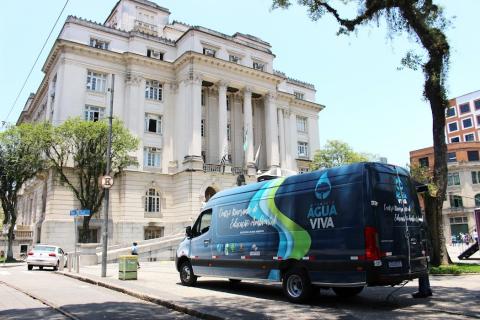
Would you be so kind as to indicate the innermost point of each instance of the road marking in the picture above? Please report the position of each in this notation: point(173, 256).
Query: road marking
point(4, 273)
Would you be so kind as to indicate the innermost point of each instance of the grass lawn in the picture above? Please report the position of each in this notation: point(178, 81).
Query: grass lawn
point(456, 269)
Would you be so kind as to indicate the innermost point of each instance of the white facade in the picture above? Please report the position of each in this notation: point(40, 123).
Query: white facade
point(192, 96)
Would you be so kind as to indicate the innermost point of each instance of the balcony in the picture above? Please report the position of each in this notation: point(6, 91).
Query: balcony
point(218, 168)
point(146, 28)
point(23, 233)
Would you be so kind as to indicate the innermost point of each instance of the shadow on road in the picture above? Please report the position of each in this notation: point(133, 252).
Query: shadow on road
point(451, 301)
point(94, 311)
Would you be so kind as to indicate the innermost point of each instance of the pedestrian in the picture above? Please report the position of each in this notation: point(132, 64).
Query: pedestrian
point(475, 235)
point(134, 252)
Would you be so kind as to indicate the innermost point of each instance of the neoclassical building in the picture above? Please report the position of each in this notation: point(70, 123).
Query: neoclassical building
point(196, 98)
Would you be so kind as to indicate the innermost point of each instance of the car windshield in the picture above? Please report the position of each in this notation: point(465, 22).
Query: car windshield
point(44, 248)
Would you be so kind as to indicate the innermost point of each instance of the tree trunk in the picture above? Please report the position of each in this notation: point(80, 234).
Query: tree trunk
point(10, 240)
point(85, 234)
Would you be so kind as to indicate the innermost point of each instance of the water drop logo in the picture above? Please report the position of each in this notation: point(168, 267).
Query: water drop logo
point(399, 192)
point(323, 187)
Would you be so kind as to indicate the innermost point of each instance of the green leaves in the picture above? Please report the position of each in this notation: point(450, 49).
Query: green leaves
point(334, 154)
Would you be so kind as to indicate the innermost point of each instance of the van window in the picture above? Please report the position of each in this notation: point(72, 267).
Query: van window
point(203, 223)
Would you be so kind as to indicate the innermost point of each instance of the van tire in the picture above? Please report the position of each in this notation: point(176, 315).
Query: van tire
point(297, 286)
point(186, 274)
point(347, 292)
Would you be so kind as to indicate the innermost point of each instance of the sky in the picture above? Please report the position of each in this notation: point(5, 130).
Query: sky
point(370, 104)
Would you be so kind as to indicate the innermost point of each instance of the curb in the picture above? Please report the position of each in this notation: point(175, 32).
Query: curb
point(145, 297)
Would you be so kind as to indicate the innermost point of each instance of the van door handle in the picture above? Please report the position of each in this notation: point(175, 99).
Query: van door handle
point(206, 242)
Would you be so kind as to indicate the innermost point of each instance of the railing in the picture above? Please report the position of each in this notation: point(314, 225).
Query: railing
point(238, 170)
point(145, 27)
point(23, 235)
point(212, 167)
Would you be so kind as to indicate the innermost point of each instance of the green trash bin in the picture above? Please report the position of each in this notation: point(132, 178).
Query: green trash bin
point(127, 267)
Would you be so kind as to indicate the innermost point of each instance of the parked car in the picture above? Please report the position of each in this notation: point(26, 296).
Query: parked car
point(46, 256)
point(342, 228)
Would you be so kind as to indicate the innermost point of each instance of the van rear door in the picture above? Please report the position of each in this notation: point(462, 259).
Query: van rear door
point(399, 222)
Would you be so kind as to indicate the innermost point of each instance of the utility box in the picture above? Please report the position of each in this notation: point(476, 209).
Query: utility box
point(127, 267)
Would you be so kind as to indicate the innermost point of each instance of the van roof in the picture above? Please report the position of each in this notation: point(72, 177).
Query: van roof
point(342, 170)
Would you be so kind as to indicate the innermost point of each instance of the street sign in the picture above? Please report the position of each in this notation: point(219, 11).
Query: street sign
point(81, 213)
point(107, 182)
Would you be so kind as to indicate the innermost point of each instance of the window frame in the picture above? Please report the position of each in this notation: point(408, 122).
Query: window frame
point(152, 157)
point(299, 95)
point(475, 103)
point(96, 81)
point(454, 112)
point(259, 65)
point(304, 145)
point(453, 122)
point(455, 137)
point(471, 152)
point(453, 179)
point(471, 122)
point(468, 134)
point(453, 159)
point(94, 41)
point(302, 122)
point(462, 105)
point(152, 92)
point(234, 58)
point(154, 52)
point(152, 200)
point(209, 52)
point(158, 120)
point(88, 111)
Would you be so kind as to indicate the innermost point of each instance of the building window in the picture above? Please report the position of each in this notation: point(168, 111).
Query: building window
point(451, 112)
point(458, 220)
point(154, 54)
point(455, 139)
point(477, 200)
point(258, 66)
point(93, 113)
point(96, 81)
point(153, 123)
point(99, 44)
point(467, 123)
point(301, 124)
point(302, 148)
point(234, 58)
point(153, 232)
point(152, 157)
point(302, 170)
point(478, 121)
point(456, 201)
point(153, 90)
point(152, 201)
point(452, 126)
point(464, 108)
point(203, 97)
point(299, 95)
point(453, 179)
point(202, 128)
point(472, 155)
point(469, 137)
point(209, 52)
point(475, 177)
point(423, 162)
point(452, 157)
point(228, 103)
point(476, 103)
point(229, 132)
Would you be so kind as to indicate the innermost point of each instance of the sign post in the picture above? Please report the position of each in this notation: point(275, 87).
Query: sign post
point(77, 213)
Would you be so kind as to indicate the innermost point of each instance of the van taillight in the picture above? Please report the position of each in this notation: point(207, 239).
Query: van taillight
point(30, 253)
point(52, 254)
point(372, 251)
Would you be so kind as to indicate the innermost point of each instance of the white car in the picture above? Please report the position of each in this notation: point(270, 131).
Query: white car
point(46, 256)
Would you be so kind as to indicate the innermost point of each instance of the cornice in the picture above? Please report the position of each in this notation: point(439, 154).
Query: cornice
point(195, 57)
point(290, 98)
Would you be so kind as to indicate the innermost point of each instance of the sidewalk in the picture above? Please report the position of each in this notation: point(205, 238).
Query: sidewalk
point(455, 251)
point(213, 298)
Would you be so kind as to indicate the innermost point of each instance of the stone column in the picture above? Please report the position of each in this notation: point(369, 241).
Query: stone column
point(313, 136)
point(248, 126)
point(222, 120)
point(271, 131)
point(293, 140)
point(281, 133)
point(193, 115)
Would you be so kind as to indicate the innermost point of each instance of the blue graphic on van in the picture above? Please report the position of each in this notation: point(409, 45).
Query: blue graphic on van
point(400, 194)
point(323, 187)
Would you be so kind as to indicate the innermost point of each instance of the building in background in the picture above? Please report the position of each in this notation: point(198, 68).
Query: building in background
point(463, 144)
point(192, 95)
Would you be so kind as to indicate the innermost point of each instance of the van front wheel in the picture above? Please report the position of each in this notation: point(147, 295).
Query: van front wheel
point(296, 286)
point(347, 292)
point(186, 274)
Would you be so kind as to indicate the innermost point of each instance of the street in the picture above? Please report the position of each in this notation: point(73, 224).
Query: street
point(77, 300)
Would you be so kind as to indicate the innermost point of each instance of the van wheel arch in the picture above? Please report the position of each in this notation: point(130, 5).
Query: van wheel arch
point(287, 265)
point(180, 261)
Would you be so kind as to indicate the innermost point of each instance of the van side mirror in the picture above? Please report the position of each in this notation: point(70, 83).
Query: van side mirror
point(188, 231)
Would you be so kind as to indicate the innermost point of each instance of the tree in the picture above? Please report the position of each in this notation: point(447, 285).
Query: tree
point(334, 154)
point(425, 22)
point(20, 159)
point(76, 150)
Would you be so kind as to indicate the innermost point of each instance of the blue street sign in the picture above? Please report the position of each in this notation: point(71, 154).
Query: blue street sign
point(84, 212)
point(81, 213)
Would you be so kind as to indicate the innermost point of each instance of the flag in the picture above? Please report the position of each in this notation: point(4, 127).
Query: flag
point(256, 159)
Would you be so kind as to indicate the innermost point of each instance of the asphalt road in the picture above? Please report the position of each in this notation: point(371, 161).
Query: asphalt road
point(77, 300)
